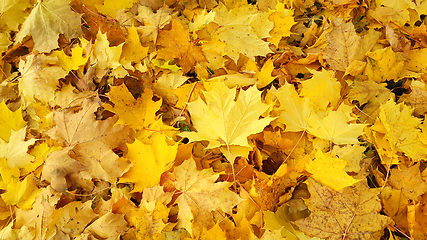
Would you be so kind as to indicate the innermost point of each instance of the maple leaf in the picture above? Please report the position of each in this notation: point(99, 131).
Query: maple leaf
point(264, 76)
point(395, 205)
point(408, 181)
point(384, 64)
point(71, 63)
point(73, 218)
point(109, 225)
point(111, 6)
point(416, 60)
point(234, 80)
point(20, 193)
point(294, 110)
point(416, 220)
point(88, 143)
point(334, 128)
point(149, 161)
point(230, 122)
point(104, 56)
point(200, 194)
point(345, 46)
point(153, 22)
point(283, 22)
point(40, 71)
point(10, 121)
point(172, 80)
point(4, 41)
point(150, 217)
point(395, 11)
point(40, 222)
point(201, 20)
point(320, 83)
point(132, 49)
point(177, 44)
point(140, 114)
point(371, 96)
point(401, 129)
point(15, 151)
point(352, 154)
point(236, 31)
point(11, 12)
point(352, 213)
point(417, 98)
point(329, 171)
point(46, 21)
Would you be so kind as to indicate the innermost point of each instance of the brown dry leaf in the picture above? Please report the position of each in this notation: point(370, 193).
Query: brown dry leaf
point(352, 213)
point(345, 46)
point(177, 44)
point(370, 95)
point(201, 195)
point(417, 98)
point(87, 145)
point(409, 181)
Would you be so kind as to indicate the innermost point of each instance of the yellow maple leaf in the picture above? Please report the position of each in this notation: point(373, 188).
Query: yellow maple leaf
point(393, 11)
point(9, 120)
point(47, 20)
point(233, 80)
point(39, 77)
point(111, 6)
point(4, 41)
point(15, 151)
point(334, 128)
point(215, 233)
point(201, 194)
point(40, 153)
point(165, 65)
point(201, 20)
point(104, 56)
point(133, 50)
point(352, 154)
point(12, 13)
point(416, 60)
point(384, 64)
point(236, 31)
point(283, 22)
point(140, 114)
point(264, 76)
point(401, 130)
point(329, 171)
point(293, 109)
point(149, 161)
point(20, 193)
point(148, 220)
point(230, 122)
point(172, 80)
point(315, 88)
point(71, 63)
